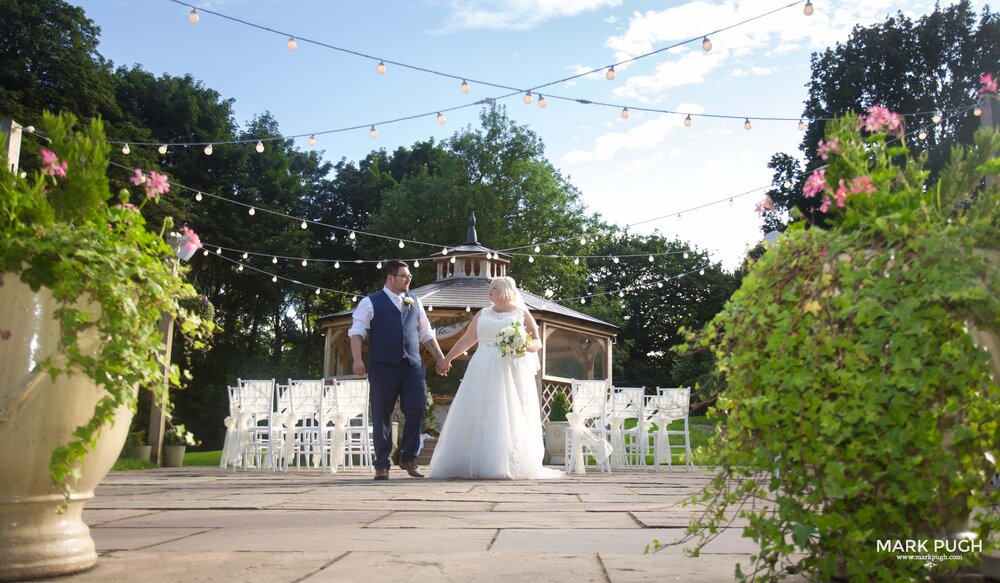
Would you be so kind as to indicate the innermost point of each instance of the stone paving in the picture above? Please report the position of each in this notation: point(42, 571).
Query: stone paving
point(208, 524)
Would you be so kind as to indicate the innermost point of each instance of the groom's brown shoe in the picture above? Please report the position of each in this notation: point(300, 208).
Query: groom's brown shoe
point(411, 468)
point(381, 473)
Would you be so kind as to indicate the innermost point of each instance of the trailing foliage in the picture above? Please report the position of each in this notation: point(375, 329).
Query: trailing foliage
point(858, 406)
point(62, 229)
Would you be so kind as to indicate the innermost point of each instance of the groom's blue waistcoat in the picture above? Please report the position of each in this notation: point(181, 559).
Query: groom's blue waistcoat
point(393, 335)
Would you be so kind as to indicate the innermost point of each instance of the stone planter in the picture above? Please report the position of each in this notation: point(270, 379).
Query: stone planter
point(37, 414)
point(138, 452)
point(555, 441)
point(173, 456)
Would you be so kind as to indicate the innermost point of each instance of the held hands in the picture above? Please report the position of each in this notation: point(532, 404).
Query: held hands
point(359, 367)
point(443, 367)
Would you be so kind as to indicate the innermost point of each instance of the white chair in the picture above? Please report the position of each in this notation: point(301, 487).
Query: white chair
point(301, 405)
point(345, 406)
point(251, 444)
point(629, 444)
point(230, 447)
point(587, 433)
point(669, 405)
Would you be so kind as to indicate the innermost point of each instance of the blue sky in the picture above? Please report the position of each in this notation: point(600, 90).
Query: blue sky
point(628, 170)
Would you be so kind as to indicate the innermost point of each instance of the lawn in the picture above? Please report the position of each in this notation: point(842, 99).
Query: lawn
point(191, 458)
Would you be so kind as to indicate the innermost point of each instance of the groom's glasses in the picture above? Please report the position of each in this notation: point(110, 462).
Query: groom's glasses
point(403, 275)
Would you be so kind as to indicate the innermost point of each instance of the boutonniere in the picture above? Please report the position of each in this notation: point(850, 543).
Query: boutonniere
point(408, 301)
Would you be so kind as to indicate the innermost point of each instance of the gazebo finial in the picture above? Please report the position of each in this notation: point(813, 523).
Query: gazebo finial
point(471, 238)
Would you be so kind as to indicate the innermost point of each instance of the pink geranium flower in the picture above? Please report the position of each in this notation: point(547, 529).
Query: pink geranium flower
point(827, 148)
point(862, 185)
point(815, 183)
point(826, 204)
point(880, 119)
point(137, 177)
point(192, 237)
point(51, 163)
point(156, 184)
point(989, 84)
point(841, 194)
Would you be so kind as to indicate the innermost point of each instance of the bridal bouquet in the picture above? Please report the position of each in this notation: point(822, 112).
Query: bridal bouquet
point(513, 340)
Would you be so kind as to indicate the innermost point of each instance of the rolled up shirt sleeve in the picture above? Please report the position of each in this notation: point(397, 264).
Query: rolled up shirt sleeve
point(362, 320)
point(424, 328)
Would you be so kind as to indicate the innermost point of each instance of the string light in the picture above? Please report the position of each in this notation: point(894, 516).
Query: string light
point(317, 291)
point(274, 260)
point(922, 135)
point(452, 260)
point(978, 111)
point(576, 261)
point(336, 265)
point(441, 119)
point(303, 224)
point(162, 149)
point(468, 309)
point(444, 251)
point(615, 259)
point(311, 141)
point(538, 249)
point(240, 268)
point(198, 197)
point(541, 101)
point(373, 132)
point(246, 255)
point(274, 279)
point(380, 68)
point(583, 240)
point(583, 300)
point(252, 211)
point(401, 244)
point(259, 147)
point(731, 202)
point(687, 121)
point(621, 293)
point(416, 263)
point(292, 44)
point(936, 118)
point(746, 124)
point(651, 259)
point(685, 255)
point(808, 8)
point(531, 258)
point(208, 150)
point(679, 219)
point(802, 126)
point(706, 44)
point(205, 252)
point(527, 98)
point(786, 184)
point(305, 263)
point(625, 113)
point(465, 86)
point(610, 75)
point(126, 149)
point(352, 236)
point(430, 308)
point(702, 271)
point(193, 17)
point(379, 265)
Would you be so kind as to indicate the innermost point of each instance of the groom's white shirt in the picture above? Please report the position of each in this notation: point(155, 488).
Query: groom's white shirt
point(362, 321)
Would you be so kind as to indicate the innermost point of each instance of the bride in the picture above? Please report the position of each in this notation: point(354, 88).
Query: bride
point(493, 428)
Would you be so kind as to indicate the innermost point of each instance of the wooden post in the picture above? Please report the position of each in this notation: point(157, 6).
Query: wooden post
point(157, 414)
point(12, 137)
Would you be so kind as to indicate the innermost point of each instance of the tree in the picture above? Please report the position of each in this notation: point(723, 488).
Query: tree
point(931, 65)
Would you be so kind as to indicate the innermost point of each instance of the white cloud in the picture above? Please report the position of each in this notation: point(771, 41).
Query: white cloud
point(753, 72)
point(516, 14)
point(611, 19)
point(644, 137)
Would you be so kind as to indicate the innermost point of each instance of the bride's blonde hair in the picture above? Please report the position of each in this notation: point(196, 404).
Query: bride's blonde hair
point(506, 287)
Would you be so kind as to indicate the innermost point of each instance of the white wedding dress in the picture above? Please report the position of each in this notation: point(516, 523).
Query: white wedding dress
point(493, 428)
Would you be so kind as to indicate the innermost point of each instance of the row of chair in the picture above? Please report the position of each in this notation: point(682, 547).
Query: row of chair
point(622, 426)
point(315, 423)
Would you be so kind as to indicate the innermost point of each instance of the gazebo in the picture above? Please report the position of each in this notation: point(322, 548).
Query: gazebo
point(574, 345)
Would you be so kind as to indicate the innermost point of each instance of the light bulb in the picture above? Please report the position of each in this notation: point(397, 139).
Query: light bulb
point(354, 298)
point(430, 308)
point(274, 260)
point(531, 258)
point(401, 245)
point(336, 265)
point(978, 111)
point(706, 44)
point(541, 101)
point(625, 113)
point(198, 197)
point(441, 119)
point(538, 249)
point(549, 293)
point(730, 202)
point(305, 263)
point(317, 291)
point(936, 118)
point(685, 255)
point(274, 278)
point(205, 252)
point(303, 225)
point(252, 211)
point(583, 240)
point(465, 86)
point(373, 132)
point(245, 255)
point(126, 149)
point(527, 98)
point(452, 259)
point(259, 147)
point(378, 265)
point(583, 300)
point(659, 284)
point(240, 268)
point(416, 263)
point(311, 141)
point(701, 272)
point(621, 294)
point(615, 259)
point(786, 184)
point(208, 150)
point(679, 218)
point(352, 236)
point(380, 68)
point(746, 124)
point(650, 258)
point(687, 121)
point(29, 129)
point(808, 8)
point(922, 135)
point(444, 251)
point(576, 261)
point(610, 75)
point(162, 149)
point(292, 44)
point(468, 309)
point(193, 17)
point(802, 126)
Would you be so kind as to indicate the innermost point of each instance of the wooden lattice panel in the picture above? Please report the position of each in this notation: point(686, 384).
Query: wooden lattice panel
point(549, 389)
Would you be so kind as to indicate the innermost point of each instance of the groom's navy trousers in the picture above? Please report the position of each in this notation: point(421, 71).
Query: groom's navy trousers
point(388, 382)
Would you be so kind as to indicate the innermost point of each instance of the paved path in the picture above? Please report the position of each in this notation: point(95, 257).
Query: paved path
point(207, 524)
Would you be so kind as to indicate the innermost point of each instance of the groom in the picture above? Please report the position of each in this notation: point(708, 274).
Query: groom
point(396, 325)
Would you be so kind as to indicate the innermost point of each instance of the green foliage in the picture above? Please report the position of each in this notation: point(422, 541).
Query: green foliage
point(72, 236)
point(857, 403)
point(137, 437)
point(560, 406)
